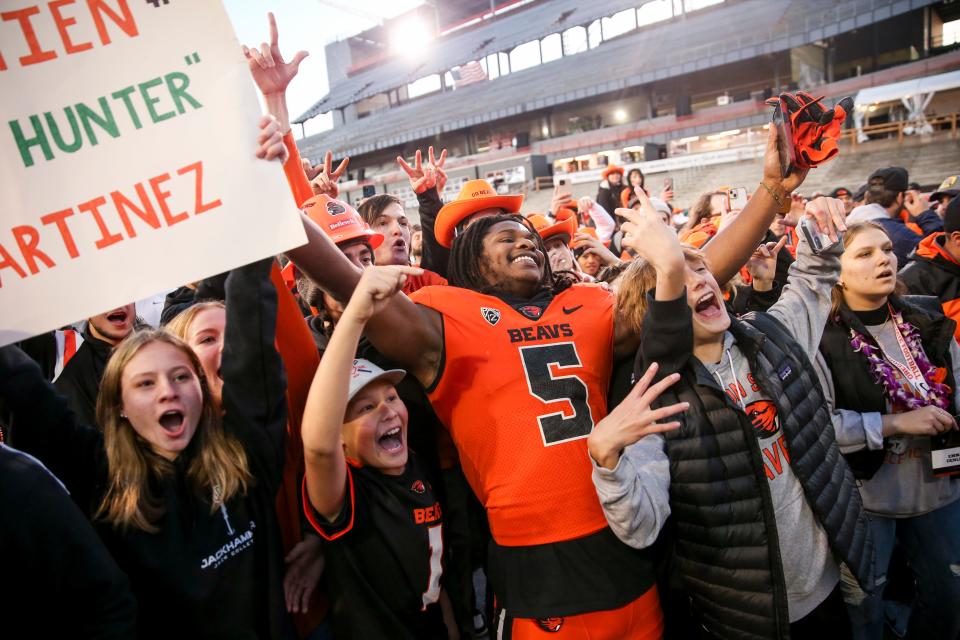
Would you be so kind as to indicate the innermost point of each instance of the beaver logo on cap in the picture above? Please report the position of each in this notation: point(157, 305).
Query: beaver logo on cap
point(334, 208)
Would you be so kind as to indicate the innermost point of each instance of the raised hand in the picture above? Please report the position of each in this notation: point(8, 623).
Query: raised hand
point(762, 265)
point(645, 233)
point(437, 166)
point(561, 198)
point(666, 194)
point(324, 181)
point(421, 179)
point(269, 71)
point(829, 214)
point(915, 203)
point(309, 170)
point(270, 140)
point(771, 167)
point(375, 289)
point(633, 419)
point(593, 246)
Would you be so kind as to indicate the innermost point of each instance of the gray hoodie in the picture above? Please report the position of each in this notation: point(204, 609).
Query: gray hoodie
point(635, 494)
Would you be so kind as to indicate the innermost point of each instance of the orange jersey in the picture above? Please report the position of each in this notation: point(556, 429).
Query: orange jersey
point(520, 396)
point(428, 278)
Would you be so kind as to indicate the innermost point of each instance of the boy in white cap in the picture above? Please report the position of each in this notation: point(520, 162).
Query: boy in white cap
point(364, 491)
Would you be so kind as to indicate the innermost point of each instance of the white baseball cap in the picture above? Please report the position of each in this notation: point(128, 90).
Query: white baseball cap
point(364, 372)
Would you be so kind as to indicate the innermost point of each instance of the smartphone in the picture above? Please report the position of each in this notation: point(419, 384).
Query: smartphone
point(737, 198)
point(819, 242)
point(562, 182)
point(781, 120)
point(668, 183)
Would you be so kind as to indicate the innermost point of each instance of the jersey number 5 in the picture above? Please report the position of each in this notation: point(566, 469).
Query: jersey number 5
point(555, 427)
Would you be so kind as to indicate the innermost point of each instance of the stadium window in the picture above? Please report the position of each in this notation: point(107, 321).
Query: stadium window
point(504, 61)
point(574, 40)
point(525, 55)
point(423, 86)
point(619, 23)
point(951, 32)
point(594, 34)
point(551, 47)
point(656, 11)
point(491, 66)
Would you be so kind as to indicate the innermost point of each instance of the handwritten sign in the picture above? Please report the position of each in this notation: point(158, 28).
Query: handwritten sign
point(127, 139)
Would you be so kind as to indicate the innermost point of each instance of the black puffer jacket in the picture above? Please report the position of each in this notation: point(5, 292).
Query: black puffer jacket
point(724, 531)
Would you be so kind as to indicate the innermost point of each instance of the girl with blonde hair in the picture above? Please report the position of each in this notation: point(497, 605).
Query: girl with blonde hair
point(180, 487)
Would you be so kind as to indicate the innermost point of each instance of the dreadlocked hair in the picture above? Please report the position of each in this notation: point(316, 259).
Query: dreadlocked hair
point(466, 257)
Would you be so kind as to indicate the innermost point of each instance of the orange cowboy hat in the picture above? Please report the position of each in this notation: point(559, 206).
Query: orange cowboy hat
point(547, 230)
point(611, 169)
point(562, 213)
point(339, 220)
point(476, 195)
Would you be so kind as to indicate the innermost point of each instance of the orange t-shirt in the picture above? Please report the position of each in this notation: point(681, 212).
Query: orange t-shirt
point(520, 396)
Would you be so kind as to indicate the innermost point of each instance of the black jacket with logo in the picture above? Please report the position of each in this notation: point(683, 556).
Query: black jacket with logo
point(215, 573)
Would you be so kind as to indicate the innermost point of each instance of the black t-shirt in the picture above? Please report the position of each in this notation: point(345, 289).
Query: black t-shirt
point(383, 555)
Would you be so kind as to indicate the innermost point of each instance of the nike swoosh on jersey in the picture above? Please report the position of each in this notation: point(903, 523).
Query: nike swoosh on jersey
point(571, 309)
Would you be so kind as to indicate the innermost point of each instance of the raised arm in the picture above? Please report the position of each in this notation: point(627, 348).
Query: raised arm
point(406, 333)
point(655, 242)
point(326, 466)
point(254, 383)
point(272, 75)
point(804, 303)
point(428, 183)
point(733, 245)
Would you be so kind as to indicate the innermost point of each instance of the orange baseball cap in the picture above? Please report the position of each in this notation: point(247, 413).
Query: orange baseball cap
point(546, 229)
point(339, 220)
point(476, 195)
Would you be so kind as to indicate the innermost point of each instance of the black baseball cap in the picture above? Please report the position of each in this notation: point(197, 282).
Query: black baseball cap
point(861, 193)
point(894, 178)
point(949, 187)
point(840, 191)
point(951, 218)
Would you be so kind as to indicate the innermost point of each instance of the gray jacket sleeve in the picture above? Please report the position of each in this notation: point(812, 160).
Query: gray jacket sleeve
point(635, 495)
point(854, 430)
point(804, 304)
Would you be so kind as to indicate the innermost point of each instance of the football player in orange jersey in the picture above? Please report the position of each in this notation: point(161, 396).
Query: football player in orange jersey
point(516, 363)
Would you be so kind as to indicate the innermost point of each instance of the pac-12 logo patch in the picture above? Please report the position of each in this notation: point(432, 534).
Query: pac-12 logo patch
point(490, 315)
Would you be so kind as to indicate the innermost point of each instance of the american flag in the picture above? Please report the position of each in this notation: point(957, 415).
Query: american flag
point(469, 73)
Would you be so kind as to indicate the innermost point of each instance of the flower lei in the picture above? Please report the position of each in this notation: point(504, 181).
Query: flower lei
point(883, 373)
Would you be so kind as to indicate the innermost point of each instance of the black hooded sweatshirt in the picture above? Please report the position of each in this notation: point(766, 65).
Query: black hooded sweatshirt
point(218, 574)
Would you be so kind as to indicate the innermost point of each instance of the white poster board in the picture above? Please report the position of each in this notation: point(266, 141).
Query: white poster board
point(127, 138)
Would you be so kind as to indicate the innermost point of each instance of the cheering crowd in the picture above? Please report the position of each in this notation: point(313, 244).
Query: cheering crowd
point(608, 420)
